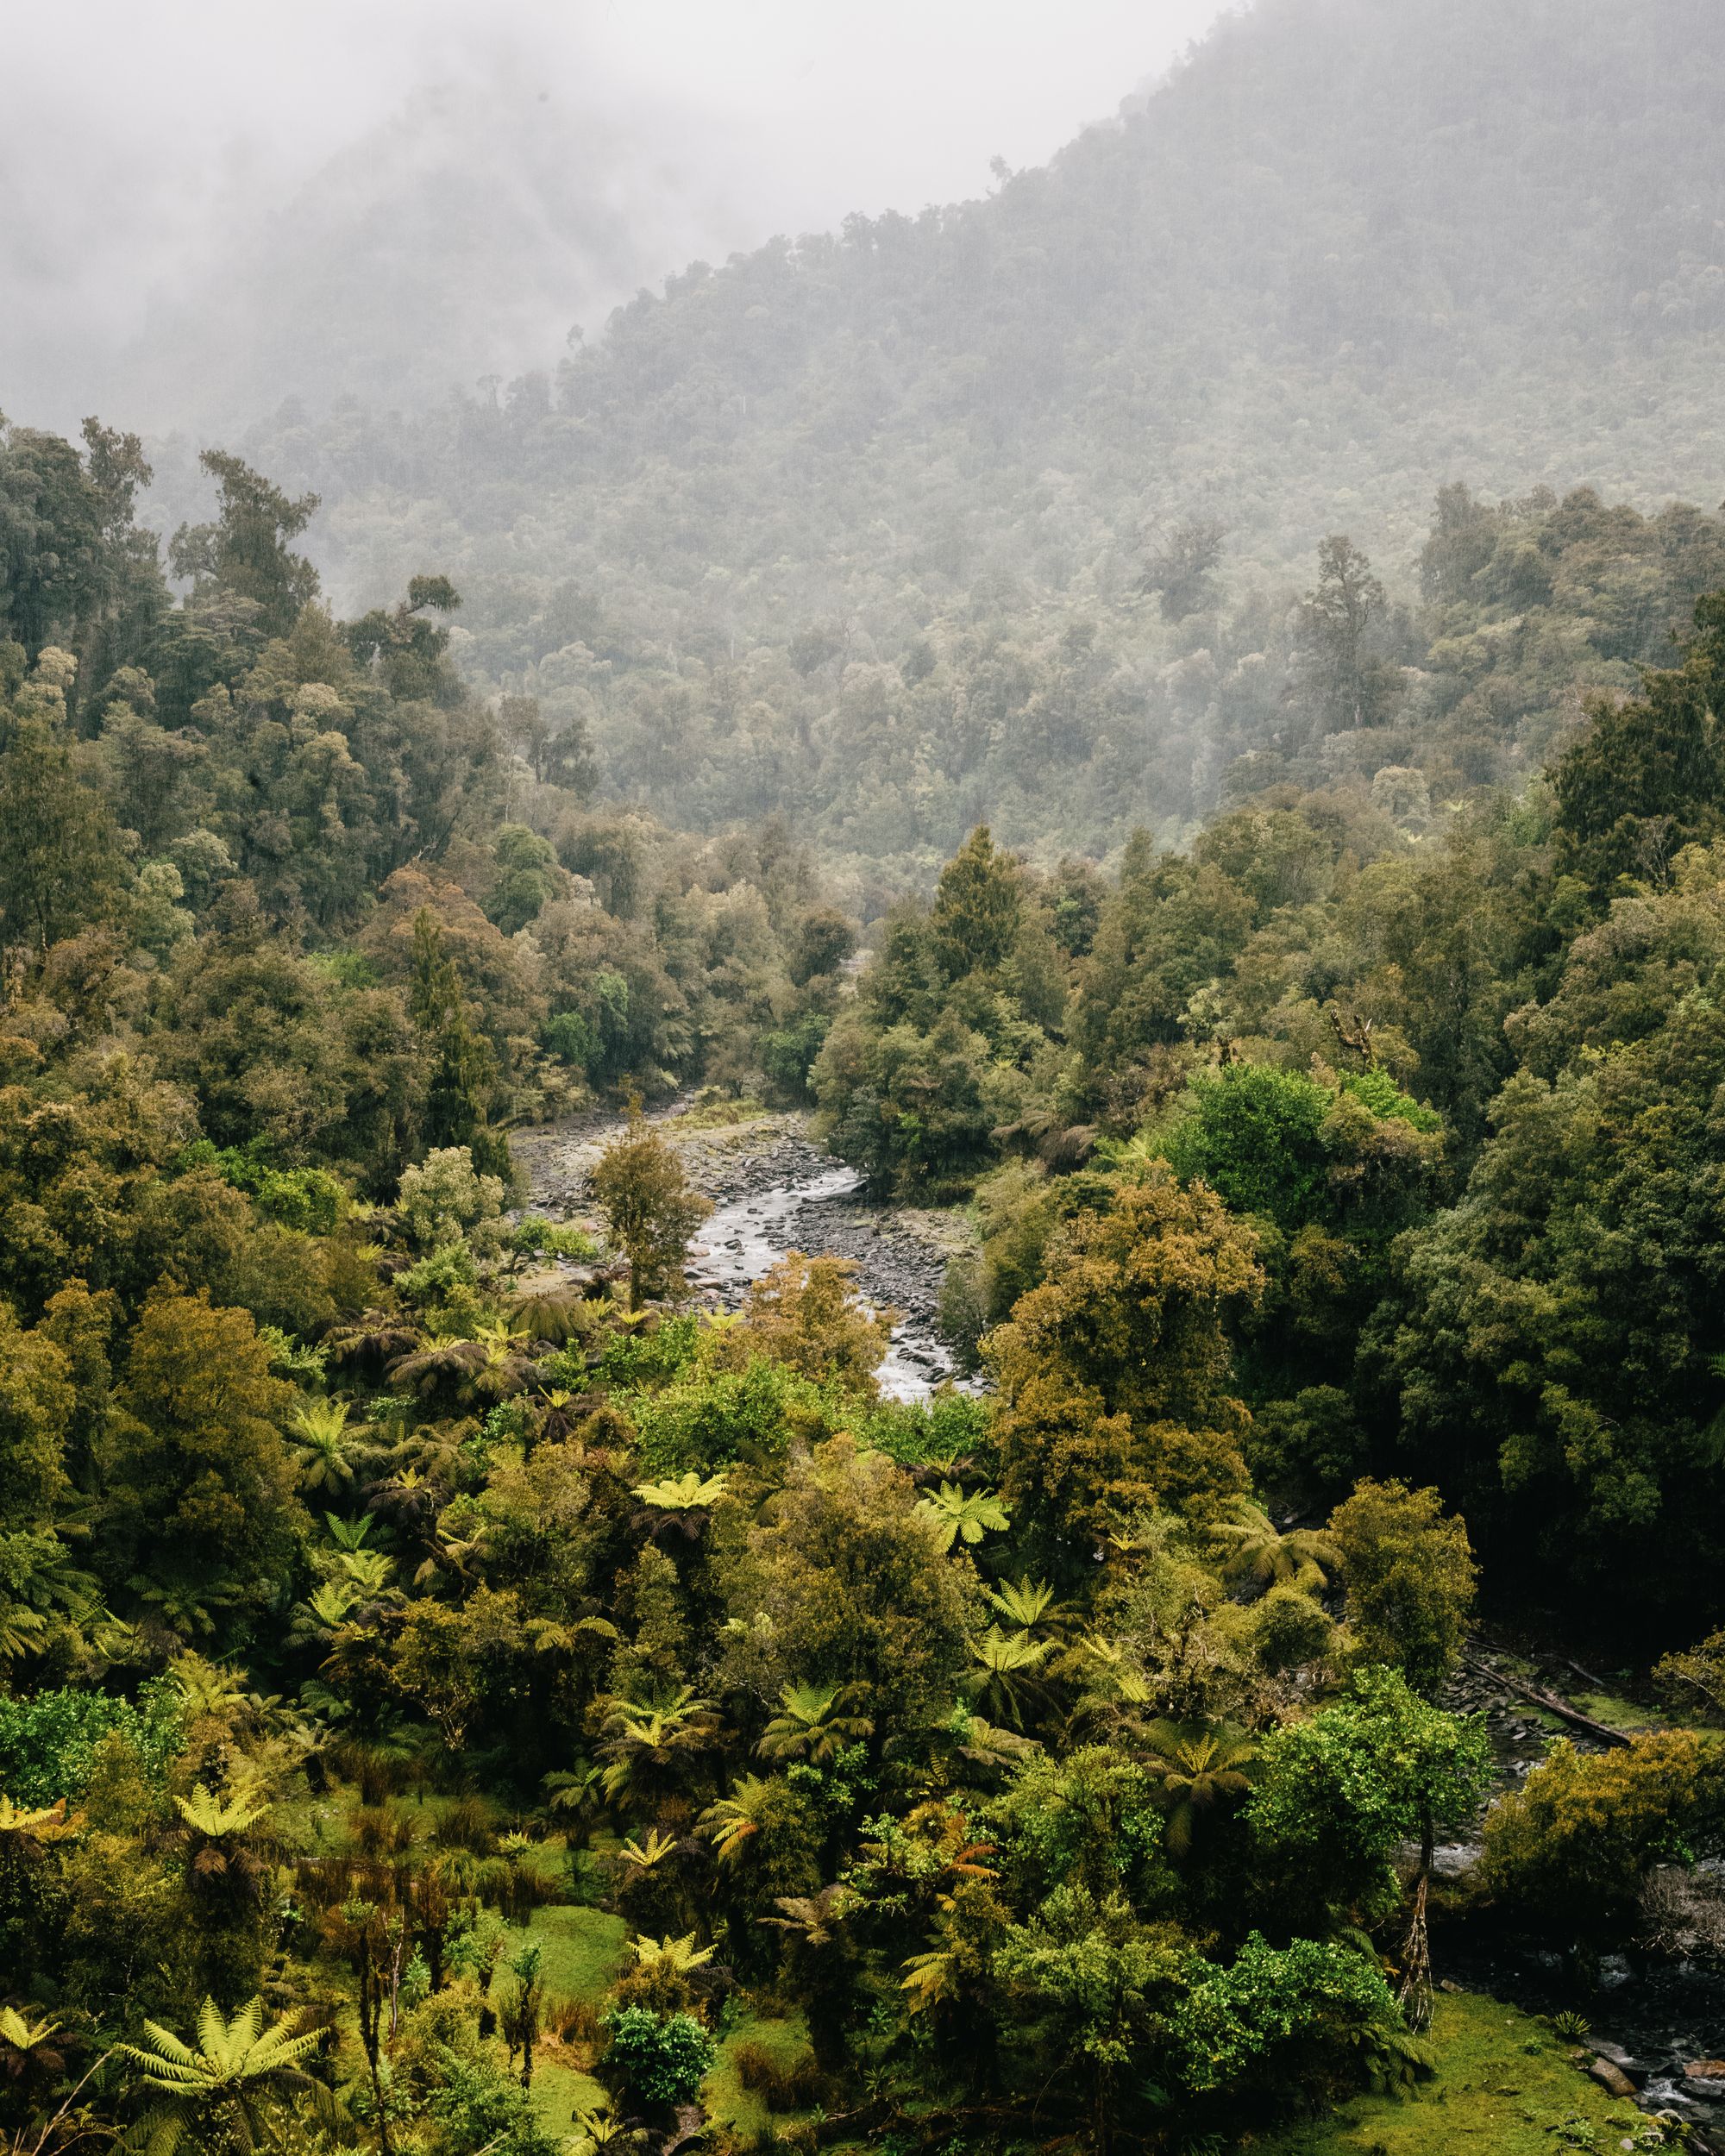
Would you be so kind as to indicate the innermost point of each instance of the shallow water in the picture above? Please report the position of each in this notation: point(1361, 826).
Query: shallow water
point(818, 1215)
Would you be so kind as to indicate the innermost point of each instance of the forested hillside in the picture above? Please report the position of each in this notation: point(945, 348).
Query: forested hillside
point(1173, 720)
point(1461, 1079)
point(883, 485)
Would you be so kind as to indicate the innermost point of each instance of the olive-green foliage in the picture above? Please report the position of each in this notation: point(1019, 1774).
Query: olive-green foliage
point(1411, 1578)
point(1115, 1373)
point(201, 1496)
point(913, 1080)
point(856, 1590)
point(650, 1210)
point(1565, 1854)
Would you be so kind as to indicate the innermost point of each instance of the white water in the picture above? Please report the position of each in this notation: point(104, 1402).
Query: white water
point(744, 1238)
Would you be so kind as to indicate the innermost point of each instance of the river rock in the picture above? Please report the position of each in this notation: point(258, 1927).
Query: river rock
point(1615, 2055)
point(1705, 2077)
point(1611, 2077)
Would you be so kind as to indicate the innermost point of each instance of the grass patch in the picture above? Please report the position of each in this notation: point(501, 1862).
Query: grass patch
point(727, 2102)
point(712, 1111)
point(581, 1950)
point(556, 2091)
point(1617, 1711)
point(1504, 2086)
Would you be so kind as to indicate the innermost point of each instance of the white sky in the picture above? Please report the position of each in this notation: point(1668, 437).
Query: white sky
point(837, 104)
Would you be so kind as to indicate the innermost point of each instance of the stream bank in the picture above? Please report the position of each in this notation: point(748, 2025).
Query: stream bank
point(1649, 2018)
point(773, 1190)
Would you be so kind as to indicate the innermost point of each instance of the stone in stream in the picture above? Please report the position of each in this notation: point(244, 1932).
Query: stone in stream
point(1615, 2055)
point(1611, 2077)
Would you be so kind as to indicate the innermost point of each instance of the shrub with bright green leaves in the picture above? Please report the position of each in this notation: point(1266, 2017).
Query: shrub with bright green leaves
point(632, 1360)
point(706, 1418)
point(307, 1199)
point(481, 2106)
point(534, 1236)
point(48, 1744)
point(948, 1425)
point(1254, 1133)
point(1088, 1821)
point(1387, 1101)
point(1269, 1139)
point(1277, 2018)
point(658, 2058)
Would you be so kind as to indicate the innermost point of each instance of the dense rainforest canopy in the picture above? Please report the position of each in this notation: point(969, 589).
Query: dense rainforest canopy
point(424, 1659)
point(462, 1693)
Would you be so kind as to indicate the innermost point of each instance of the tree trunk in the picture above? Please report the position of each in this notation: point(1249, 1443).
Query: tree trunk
point(1415, 1996)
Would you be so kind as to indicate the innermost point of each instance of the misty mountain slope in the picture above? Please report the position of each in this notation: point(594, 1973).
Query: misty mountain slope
point(1348, 252)
point(456, 237)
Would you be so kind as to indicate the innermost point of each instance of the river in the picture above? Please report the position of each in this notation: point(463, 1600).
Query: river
point(773, 1190)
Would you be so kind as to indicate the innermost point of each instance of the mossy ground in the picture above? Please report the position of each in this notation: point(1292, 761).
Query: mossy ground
point(581, 1950)
point(558, 2087)
point(1505, 2086)
point(727, 2102)
point(581, 1953)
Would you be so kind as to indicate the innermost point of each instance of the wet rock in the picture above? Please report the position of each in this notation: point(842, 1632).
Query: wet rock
point(1612, 2078)
point(774, 1190)
point(1614, 2055)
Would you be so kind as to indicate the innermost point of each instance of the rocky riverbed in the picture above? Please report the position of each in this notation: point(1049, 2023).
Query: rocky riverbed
point(774, 1189)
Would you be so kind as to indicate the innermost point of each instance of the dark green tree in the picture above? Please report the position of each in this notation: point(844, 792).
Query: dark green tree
point(246, 552)
point(462, 1085)
point(976, 914)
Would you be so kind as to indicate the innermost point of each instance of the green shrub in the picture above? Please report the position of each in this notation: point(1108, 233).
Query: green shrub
point(1278, 2016)
point(707, 1419)
point(481, 2106)
point(660, 2058)
point(571, 1038)
point(787, 1056)
point(48, 1744)
point(534, 1235)
point(635, 1360)
point(1253, 1133)
point(949, 1425)
point(307, 1199)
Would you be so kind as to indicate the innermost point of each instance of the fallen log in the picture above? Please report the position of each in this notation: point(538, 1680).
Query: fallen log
point(1549, 1700)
